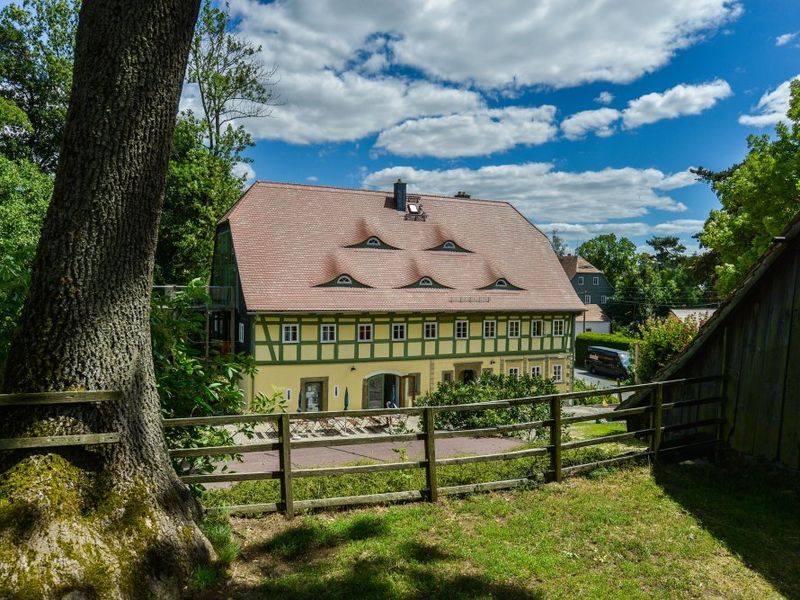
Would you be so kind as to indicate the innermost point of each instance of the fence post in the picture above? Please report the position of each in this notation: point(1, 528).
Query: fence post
point(430, 454)
point(657, 420)
point(285, 435)
point(555, 438)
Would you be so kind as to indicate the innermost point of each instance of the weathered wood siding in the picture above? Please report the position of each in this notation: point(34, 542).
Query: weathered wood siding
point(757, 346)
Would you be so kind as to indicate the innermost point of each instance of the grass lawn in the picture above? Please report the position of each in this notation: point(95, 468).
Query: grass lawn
point(681, 531)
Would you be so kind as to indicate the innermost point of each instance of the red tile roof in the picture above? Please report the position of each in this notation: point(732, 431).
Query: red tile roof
point(290, 238)
point(575, 264)
point(596, 314)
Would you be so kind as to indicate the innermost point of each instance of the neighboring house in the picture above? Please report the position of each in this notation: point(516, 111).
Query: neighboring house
point(593, 320)
point(364, 298)
point(753, 339)
point(588, 281)
point(701, 315)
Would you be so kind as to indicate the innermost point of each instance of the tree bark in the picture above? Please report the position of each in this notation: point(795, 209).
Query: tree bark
point(106, 520)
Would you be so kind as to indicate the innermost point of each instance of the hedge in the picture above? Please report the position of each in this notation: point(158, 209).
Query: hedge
point(609, 340)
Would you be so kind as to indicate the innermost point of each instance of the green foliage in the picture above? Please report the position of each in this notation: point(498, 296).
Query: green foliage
point(609, 340)
point(36, 54)
point(613, 256)
point(759, 197)
point(192, 385)
point(600, 398)
point(232, 81)
point(488, 388)
point(662, 339)
point(24, 196)
point(200, 187)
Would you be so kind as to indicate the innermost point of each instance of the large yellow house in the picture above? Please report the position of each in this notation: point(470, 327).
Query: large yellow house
point(357, 298)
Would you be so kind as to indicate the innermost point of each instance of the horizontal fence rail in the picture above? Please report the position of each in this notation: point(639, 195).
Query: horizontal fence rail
point(51, 400)
point(284, 444)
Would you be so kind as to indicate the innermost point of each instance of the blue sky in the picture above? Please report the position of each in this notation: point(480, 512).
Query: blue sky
point(585, 114)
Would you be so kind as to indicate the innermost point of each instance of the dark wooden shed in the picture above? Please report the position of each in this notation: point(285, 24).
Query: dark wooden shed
point(753, 339)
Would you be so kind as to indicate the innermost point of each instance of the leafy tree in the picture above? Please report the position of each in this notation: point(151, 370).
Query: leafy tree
point(85, 325)
point(200, 188)
point(559, 245)
point(668, 251)
point(759, 196)
point(613, 256)
point(232, 81)
point(24, 196)
point(662, 339)
point(37, 38)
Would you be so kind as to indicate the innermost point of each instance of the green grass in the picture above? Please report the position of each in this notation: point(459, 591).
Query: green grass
point(684, 531)
point(589, 429)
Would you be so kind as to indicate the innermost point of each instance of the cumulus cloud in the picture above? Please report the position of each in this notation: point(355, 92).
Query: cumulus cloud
point(542, 193)
point(604, 98)
point(771, 108)
point(784, 39)
point(675, 102)
point(629, 229)
point(243, 169)
point(472, 133)
point(600, 122)
point(341, 61)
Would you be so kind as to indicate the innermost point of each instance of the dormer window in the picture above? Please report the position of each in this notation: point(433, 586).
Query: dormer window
point(448, 246)
point(373, 241)
point(425, 282)
point(343, 280)
point(501, 284)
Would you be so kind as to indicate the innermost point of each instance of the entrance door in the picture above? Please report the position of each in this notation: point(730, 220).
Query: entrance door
point(383, 391)
point(467, 375)
point(375, 391)
point(311, 396)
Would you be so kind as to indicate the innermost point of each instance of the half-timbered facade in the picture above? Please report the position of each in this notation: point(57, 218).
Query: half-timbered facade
point(356, 298)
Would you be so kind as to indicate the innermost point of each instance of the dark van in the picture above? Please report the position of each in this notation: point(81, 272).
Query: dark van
point(608, 361)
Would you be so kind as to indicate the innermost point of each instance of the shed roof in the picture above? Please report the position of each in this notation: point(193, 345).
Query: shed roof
point(289, 239)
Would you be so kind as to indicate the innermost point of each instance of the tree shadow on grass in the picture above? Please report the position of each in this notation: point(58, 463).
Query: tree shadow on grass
point(296, 563)
point(753, 509)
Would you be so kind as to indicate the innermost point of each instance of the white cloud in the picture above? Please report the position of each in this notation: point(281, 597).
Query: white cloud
point(472, 133)
point(243, 169)
point(771, 108)
point(784, 39)
point(312, 178)
point(339, 60)
point(675, 102)
point(600, 122)
point(544, 194)
point(629, 229)
point(604, 98)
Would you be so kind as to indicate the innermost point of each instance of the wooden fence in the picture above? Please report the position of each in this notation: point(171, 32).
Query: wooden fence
point(285, 444)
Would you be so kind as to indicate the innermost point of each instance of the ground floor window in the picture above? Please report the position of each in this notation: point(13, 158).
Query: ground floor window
point(513, 372)
point(447, 376)
point(536, 371)
point(557, 373)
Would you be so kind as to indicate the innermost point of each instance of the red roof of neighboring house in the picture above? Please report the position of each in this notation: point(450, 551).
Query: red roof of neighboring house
point(595, 314)
point(290, 238)
point(575, 264)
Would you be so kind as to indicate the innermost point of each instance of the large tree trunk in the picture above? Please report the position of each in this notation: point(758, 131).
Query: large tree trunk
point(106, 520)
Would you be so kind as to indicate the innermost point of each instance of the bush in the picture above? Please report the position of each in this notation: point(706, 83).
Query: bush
point(662, 339)
point(603, 397)
point(609, 340)
point(487, 389)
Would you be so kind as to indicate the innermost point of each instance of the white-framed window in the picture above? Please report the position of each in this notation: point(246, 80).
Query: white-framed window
point(462, 330)
point(431, 330)
point(373, 241)
point(327, 333)
point(558, 327)
point(595, 281)
point(344, 280)
point(448, 245)
point(580, 279)
point(603, 299)
point(241, 332)
point(513, 329)
point(426, 281)
point(536, 371)
point(365, 332)
point(557, 373)
point(587, 298)
point(501, 283)
point(489, 329)
point(398, 331)
point(513, 371)
point(290, 333)
point(537, 328)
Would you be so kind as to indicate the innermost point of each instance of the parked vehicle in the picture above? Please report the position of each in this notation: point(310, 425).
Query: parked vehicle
point(608, 361)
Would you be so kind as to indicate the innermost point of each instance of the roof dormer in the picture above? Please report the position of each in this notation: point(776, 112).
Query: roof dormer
point(501, 284)
point(425, 282)
point(373, 242)
point(344, 280)
point(449, 246)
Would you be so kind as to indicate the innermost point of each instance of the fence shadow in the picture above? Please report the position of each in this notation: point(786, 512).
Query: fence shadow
point(753, 509)
point(293, 564)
